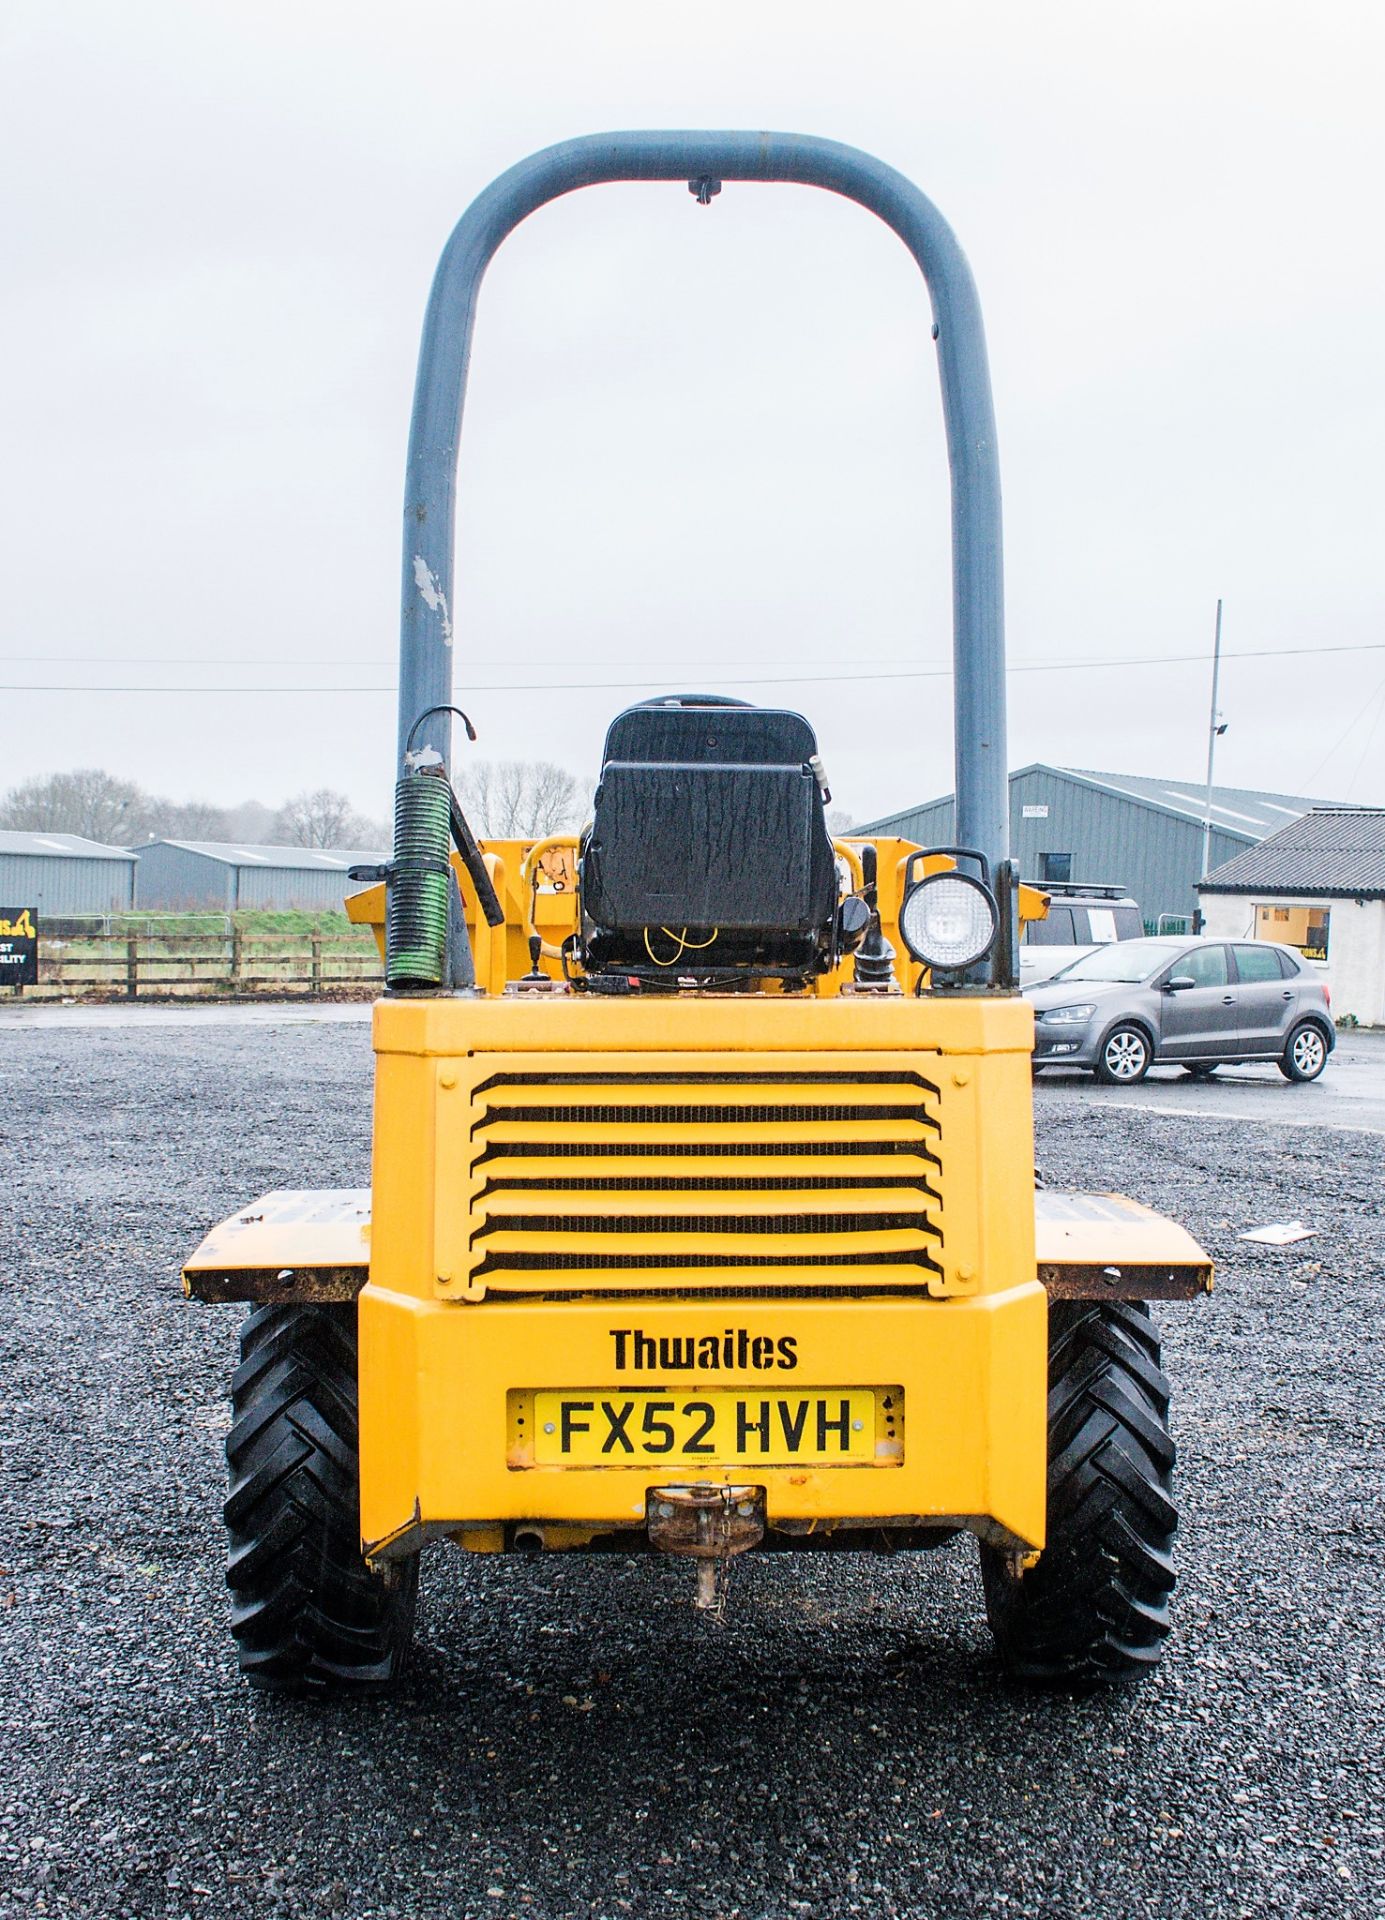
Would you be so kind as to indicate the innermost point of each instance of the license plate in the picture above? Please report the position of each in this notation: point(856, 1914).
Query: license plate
point(597, 1427)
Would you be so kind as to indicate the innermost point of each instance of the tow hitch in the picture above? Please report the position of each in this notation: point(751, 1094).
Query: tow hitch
point(710, 1524)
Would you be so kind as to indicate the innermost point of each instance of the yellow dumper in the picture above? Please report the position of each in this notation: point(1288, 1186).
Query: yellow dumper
point(703, 1216)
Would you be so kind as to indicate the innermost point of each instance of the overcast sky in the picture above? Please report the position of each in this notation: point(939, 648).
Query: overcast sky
point(702, 446)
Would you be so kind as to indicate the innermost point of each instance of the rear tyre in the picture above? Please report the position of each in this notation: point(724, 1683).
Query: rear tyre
point(1305, 1052)
point(306, 1613)
point(1095, 1607)
point(1125, 1058)
point(1201, 1070)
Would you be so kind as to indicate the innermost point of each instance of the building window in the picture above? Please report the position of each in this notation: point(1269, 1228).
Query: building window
point(1307, 928)
point(1055, 869)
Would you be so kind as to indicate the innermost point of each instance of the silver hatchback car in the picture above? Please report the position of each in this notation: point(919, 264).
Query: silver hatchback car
point(1195, 1003)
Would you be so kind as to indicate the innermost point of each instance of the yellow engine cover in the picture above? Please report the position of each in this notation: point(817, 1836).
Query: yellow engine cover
point(734, 1179)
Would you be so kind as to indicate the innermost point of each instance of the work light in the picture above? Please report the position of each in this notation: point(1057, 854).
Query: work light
point(948, 920)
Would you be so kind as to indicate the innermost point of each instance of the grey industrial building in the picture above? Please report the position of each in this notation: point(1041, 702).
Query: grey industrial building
point(1067, 824)
point(61, 874)
point(200, 876)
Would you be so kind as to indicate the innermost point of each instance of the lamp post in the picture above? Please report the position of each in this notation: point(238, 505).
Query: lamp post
point(1215, 727)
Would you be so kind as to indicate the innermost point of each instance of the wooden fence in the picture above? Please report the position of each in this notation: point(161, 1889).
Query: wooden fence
point(214, 966)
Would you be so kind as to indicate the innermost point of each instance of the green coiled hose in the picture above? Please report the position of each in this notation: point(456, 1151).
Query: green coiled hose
point(421, 884)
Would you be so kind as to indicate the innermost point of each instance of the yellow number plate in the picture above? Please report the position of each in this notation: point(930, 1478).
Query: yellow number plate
point(603, 1427)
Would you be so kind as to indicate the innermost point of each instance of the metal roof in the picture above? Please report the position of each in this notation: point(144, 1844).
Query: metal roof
point(302, 859)
point(1247, 811)
point(58, 846)
point(1336, 850)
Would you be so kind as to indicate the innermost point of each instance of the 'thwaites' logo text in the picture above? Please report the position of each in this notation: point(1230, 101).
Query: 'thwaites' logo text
point(733, 1351)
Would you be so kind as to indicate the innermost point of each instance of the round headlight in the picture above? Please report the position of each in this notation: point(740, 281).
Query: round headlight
point(948, 921)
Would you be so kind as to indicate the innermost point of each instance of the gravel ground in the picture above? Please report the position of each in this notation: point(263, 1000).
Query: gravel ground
point(573, 1740)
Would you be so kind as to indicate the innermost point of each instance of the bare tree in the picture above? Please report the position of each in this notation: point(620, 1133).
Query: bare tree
point(189, 820)
point(89, 802)
point(252, 823)
point(102, 807)
point(839, 821)
point(323, 819)
point(521, 799)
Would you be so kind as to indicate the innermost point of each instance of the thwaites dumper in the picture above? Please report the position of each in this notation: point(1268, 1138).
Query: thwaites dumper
point(703, 1214)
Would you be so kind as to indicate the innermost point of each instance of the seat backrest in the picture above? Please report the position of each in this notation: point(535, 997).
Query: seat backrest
point(730, 735)
point(709, 816)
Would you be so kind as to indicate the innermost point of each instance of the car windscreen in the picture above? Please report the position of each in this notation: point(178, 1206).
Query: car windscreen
point(1125, 962)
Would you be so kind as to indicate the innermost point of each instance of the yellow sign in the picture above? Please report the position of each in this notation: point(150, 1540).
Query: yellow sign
point(21, 929)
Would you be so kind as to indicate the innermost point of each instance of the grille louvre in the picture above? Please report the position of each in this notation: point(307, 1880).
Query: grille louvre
point(621, 1180)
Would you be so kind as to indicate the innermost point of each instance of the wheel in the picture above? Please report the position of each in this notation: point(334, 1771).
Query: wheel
point(306, 1612)
point(1095, 1606)
point(1305, 1052)
point(1125, 1058)
point(1200, 1069)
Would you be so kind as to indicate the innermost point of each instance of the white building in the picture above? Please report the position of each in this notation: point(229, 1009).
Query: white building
point(1318, 885)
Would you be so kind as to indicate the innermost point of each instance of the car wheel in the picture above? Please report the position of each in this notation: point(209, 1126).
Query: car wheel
point(1125, 1057)
point(1201, 1069)
point(1305, 1053)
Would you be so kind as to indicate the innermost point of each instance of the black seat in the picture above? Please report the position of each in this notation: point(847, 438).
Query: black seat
point(709, 848)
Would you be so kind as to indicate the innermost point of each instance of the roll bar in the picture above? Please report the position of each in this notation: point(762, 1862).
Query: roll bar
point(704, 160)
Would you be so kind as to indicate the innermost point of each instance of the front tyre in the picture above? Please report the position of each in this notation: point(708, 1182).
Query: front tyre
point(1095, 1606)
point(1305, 1052)
point(306, 1612)
point(1125, 1058)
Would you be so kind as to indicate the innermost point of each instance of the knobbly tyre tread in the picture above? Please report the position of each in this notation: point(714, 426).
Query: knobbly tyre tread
point(1096, 1606)
point(306, 1613)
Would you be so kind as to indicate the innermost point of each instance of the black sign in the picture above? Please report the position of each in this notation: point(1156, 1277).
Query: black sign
point(18, 947)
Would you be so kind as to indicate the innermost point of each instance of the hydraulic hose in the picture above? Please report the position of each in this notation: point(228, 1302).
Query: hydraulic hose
point(421, 884)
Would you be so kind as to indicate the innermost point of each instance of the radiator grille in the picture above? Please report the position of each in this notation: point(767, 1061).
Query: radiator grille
point(619, 1179)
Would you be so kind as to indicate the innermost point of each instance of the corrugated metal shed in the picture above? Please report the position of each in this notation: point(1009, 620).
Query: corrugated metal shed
point(1338, 851)
point(61, 873)
point(220, 876)
point(1240, 810)
point(1142, 834)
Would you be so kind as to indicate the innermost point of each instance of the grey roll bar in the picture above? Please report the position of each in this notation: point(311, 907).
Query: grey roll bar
point(703, 160)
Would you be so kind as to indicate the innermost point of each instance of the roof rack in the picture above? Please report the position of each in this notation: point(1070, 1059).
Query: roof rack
point(1098, 889)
